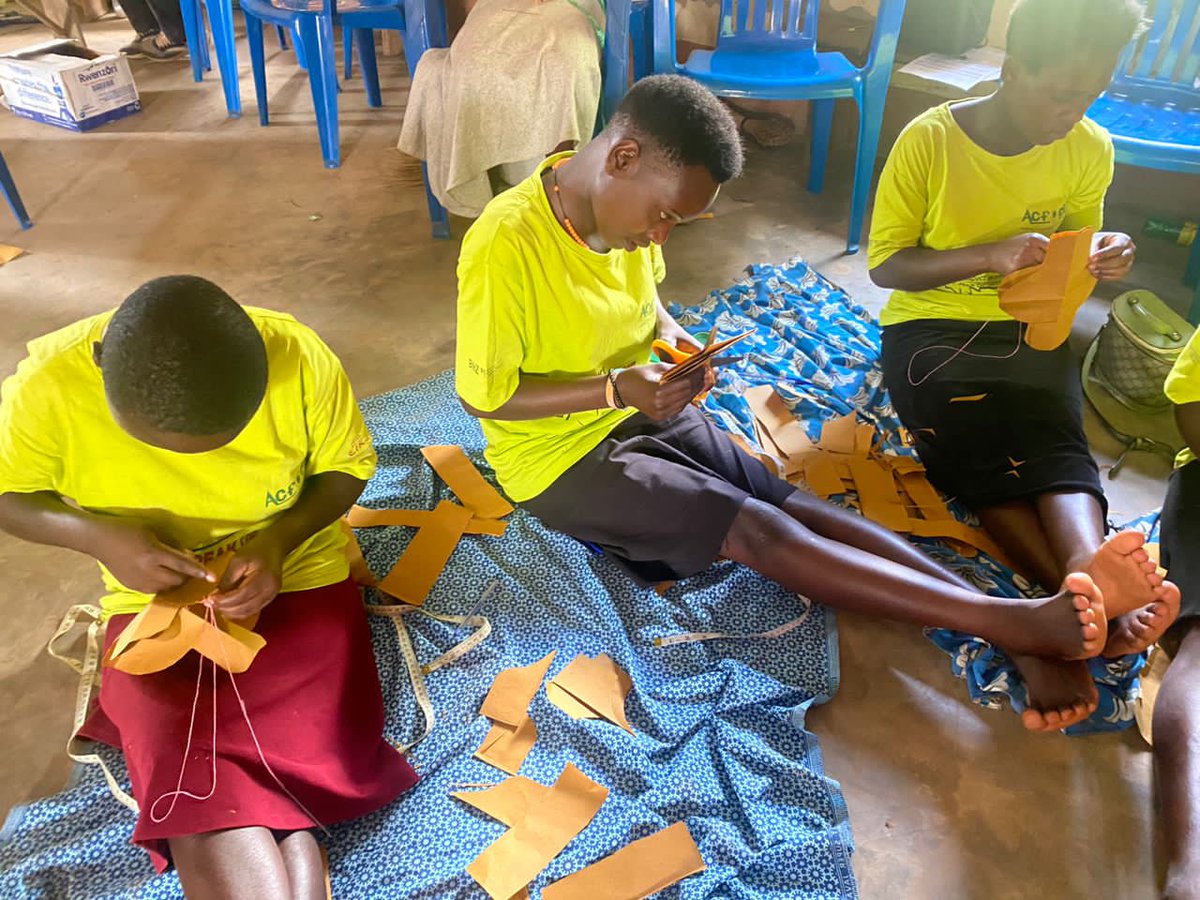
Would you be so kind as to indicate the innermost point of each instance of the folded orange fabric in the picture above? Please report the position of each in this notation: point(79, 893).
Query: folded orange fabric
point(637, 870)
point(170, 625)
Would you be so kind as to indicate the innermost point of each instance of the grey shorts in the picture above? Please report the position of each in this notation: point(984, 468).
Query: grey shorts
point(658, 497)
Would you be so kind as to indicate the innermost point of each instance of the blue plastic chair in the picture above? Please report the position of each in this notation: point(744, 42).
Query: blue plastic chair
point(421, 24)
point(220, 15)
point(13, 196)
point(767, 50)
point(1152, 107)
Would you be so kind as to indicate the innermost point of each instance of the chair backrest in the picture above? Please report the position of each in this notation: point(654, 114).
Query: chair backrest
point(1168, 53)
point(782, 18)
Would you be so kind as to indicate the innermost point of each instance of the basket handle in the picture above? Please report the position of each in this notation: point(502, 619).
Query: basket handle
point(1154, 321)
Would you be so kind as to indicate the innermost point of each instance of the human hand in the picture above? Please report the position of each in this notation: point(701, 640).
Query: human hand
point(252, 580)
point(140, 561)
point(1112, 255)
point(1018, 252)
point(675, 335)
point(642, 388)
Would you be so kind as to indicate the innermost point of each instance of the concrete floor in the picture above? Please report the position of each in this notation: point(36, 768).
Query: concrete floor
point(946, 800)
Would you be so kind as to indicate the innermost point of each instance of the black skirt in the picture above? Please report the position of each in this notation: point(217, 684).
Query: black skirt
point(658, 497)
point(995, 423)
point(1179, 538)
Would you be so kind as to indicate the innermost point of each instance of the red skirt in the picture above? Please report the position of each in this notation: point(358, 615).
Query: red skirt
point(313, 697)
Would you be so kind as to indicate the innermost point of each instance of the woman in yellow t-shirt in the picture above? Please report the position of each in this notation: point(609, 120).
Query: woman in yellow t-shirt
point(179, 429)
point(971, 192)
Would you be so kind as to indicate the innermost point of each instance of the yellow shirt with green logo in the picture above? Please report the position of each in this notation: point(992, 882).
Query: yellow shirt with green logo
point(1183, 385)
point(532, 302)
point(941, 190)
point(57, 434)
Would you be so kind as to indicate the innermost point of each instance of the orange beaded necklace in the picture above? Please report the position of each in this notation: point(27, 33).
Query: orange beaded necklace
point(566, 220)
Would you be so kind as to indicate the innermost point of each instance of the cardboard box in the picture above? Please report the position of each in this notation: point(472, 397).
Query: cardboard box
point(65, 84)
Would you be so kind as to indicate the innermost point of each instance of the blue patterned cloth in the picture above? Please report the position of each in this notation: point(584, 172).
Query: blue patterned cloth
point(720, 742)
point(820, 350)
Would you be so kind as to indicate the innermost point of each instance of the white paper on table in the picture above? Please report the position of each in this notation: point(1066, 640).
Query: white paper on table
point(963, 72)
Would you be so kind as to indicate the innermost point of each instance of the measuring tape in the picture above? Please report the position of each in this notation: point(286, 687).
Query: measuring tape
point(690, 637)
point(89, 679)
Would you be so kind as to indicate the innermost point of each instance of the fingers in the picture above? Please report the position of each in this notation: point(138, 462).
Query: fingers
point(181, 564)
point(247, 596)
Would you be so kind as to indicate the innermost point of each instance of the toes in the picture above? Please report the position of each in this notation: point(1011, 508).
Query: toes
point(1127, 541)
point(1053, 719)
point(1033, 720)
point(1140, 556)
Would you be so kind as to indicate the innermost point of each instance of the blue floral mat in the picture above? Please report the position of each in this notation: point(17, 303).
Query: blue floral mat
point(820, 350)
point(720, 741)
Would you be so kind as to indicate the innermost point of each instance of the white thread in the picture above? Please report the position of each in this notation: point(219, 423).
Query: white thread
point(961, 351)
point(211, 619)
point(187, 750)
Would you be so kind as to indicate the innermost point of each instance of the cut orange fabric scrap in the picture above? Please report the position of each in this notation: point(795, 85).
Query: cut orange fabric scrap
point(592, 688)
point(1047, 296)
point(169, 626)
point(893, 491)
point(542, 821)
point(438, 530)
point(513, 732)
point(637, 870)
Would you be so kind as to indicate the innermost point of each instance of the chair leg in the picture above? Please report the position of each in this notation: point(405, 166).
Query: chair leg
point(193, 33)
point(316, 34)
point(301, 58)
point(870, 121)
point(258, 64)
point(437, 213)
point(347, 52)
point(364, 41)
point(9, 187)
point(202, 30)
point(281, 33)
point(822, 127)
point(220, 14)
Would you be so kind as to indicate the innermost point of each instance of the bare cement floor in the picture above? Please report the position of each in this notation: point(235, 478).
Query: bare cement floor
point(946, 799)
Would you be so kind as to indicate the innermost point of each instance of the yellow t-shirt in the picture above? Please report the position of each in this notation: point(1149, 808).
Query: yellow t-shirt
point(57, 434)
point(531, 301)
point(1183, 386)
point(941, 190)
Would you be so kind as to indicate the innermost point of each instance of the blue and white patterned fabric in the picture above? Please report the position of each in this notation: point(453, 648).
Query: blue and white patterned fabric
point(720, 742)
point(820, 350)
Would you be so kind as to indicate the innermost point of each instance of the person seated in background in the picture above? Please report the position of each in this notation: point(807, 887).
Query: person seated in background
point(159, 27)
point(520, 80)
point(1176, 722)
point(183, 427)
point(971, 192)
point(557, 309)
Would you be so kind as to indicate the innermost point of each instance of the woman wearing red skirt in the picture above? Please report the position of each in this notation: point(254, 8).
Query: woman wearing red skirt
point(178, 429)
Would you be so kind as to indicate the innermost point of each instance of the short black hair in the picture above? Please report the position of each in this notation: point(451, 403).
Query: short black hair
point(182, 356)
point(1043, 32)
point(686, 122)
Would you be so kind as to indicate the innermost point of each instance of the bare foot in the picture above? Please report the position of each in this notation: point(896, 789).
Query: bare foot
point(1137, 631)
point(1125, 573)
point(1070, 625)
point(1060, 693)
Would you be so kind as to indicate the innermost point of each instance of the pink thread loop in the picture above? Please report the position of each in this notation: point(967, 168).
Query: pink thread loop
point(211, 618)
point(961, 351)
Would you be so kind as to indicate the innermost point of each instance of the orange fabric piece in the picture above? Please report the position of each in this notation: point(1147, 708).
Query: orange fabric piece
point(637, 870)
point(839, 435)
point(1047, 296)
point(506, 746)
point(597, 683)
point(541, 824)
point(971, 398)
point(513, 690)
point(877, 494)
point(567, 703)
point(461, 476)
point(418, 569)
point(169, 626)
point(361, 517)
point(701, 358)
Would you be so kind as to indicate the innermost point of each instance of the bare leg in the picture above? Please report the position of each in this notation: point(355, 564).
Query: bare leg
point(1070, 625)
point(1060, 692)
point(230, 865)
point(1017, 528)
point(305, 868)
point(1177, 766)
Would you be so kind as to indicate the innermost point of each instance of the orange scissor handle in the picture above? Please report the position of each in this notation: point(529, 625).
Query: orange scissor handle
point(669, 353)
